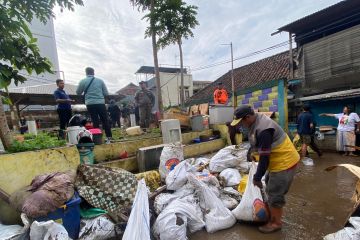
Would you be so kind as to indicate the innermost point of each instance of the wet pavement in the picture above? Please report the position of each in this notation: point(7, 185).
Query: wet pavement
point(318, 203)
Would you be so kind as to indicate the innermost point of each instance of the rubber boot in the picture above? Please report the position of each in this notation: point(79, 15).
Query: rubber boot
point(275, 223)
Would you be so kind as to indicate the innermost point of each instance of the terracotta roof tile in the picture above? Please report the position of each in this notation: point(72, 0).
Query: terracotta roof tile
point(264, 70)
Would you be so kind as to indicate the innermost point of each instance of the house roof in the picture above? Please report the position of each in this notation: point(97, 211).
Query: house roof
point(43, 89)
point(151, 70)
point(129, 89)
point(331, 14)
point(262, 71)
point(44, 94)
point(333, 95)
point(201, 82)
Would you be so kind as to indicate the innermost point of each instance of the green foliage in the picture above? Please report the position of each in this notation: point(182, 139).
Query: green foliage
point(142, 5)
point(32, 142)
point(18, 47)
point(172, 20)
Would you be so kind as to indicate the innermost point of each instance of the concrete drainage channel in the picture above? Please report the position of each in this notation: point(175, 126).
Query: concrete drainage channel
point(148, 158)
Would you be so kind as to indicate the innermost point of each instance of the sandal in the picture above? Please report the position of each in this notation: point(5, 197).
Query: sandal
point(269, 228)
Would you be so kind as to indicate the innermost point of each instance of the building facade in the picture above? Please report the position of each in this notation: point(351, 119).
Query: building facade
point(170, 81)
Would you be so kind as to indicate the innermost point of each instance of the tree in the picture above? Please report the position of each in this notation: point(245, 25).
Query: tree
point(18, 47)
point(173, 21)
point(149, 5)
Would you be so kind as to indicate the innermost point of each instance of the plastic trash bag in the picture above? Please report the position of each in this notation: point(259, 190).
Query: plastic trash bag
point(347, 233)
point(232, 176)
point(252, 207)
point(48, 231)
point(174, 220)
point(171, 155)
point(99, 228)
point(10, 232)
point(177, 178)
point(138, 226)
point(230, 157)
point(308, 161)
point(217, 216)
point(16, 232)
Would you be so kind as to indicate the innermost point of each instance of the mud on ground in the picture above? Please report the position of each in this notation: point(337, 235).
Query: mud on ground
point(318, 203)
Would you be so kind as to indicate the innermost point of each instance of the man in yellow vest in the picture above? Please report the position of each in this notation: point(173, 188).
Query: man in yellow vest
point(277, 155)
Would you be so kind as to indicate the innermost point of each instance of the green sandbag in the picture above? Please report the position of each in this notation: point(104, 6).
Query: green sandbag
point(92, 212)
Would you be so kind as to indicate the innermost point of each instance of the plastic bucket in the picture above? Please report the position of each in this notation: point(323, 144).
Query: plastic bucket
point(72, 133)
point(197, 123)
point(86, 153)
point(68, 215)
point(97, 135)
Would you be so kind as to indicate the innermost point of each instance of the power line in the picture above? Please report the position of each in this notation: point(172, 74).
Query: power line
point(282, 44)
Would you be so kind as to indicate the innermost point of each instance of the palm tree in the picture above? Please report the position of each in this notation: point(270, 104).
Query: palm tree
point(149, 5)
point(173, 21)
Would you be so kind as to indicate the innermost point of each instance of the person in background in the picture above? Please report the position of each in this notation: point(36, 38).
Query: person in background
point(95, 91)
point(125, 113)
point(276, 154)
point(115, 113)
point(145, 100)
point(306, 131)
point(220, 95)
point(63, 106)
point(349, 123)
point(23, 125)
point(137, 115)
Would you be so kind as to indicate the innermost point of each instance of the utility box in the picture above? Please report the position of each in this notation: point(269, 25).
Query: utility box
point(148, 158)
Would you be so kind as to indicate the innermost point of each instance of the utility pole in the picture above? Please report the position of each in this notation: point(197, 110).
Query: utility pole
point(232, 75)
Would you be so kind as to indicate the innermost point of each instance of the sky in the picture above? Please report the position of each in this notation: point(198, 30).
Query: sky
point(108, 35)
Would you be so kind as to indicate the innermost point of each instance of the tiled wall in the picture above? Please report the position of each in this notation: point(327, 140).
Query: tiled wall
point(265, 100)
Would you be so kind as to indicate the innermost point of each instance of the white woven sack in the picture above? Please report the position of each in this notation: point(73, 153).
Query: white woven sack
point(138, 225)
point(229, 157)
point(244, 211)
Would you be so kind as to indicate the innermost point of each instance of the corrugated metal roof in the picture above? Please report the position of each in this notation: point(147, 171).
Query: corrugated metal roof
point(323, 17)
point(44, 89)
point(151, 70)
point(333, 95)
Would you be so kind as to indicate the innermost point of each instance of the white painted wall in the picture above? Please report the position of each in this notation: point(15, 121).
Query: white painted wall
point(171, 83)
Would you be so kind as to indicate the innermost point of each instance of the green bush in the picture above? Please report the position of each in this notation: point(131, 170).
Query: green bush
point(32, 142)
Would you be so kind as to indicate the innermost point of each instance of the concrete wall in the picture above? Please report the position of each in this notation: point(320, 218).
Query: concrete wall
point(268, 97)
point(18, 170)
point(171, 83)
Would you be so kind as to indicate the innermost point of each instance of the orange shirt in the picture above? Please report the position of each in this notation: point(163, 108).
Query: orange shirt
point(220, 96)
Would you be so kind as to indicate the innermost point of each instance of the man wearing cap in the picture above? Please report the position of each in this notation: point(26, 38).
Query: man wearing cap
point(220, 95)
point(145, 100)
point(276, 154)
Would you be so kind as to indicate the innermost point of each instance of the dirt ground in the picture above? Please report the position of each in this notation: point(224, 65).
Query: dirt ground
point(318, 204)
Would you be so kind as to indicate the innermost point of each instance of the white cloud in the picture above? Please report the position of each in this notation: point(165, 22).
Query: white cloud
point(109, 35)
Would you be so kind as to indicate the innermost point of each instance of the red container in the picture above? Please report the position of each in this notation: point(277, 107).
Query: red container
point(97, 135)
